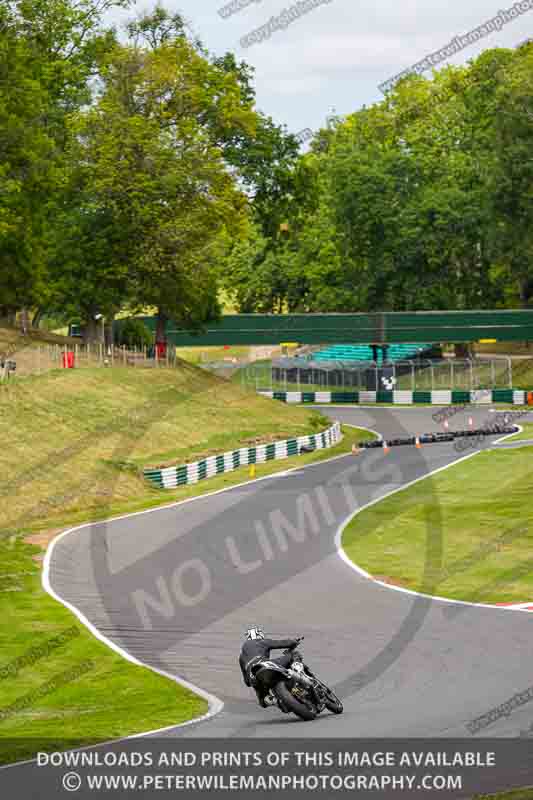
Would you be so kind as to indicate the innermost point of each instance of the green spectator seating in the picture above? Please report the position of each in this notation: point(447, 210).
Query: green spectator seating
point(363, 352)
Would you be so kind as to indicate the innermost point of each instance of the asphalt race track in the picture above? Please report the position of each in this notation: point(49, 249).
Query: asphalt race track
point(177, 587)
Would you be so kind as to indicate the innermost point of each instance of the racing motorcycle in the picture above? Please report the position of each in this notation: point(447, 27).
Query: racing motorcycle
point(295, 688)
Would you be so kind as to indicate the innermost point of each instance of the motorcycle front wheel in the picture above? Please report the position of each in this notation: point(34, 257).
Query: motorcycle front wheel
point(332, 702)
point(287, 699)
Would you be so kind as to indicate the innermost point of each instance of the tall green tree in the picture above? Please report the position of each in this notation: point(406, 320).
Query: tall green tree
point(511, 181)
point(150, 168)
point(49, 51)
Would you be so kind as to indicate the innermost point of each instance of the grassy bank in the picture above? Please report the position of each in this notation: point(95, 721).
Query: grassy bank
point(12, 340)
point(74, 441)
point(74, 445)
point(478, 510)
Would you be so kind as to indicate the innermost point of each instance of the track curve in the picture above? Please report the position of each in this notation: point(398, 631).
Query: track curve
point(175, 588)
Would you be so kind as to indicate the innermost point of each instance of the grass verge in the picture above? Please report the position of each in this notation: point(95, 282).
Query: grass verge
point(74, 445)
point(480, 509)
point(526, 433)
point(514, 794)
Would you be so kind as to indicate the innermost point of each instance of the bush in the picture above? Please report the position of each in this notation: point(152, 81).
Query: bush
point(319, 422)
point(134, 333)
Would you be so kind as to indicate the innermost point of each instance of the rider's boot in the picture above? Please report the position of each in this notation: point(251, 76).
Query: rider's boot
point(264, 700)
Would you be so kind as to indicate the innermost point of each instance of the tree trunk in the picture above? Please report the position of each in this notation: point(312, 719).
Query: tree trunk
point(462, 350)
point(161, 327)
point(108, 331)
point(24, 321)
point(526, 291)
point(93, 331)
point(37, 317)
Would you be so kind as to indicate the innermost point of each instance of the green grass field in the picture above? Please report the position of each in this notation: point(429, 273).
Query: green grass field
point(199, 355)
point(526, 433)
point(74, 444)
point(465, 533)
point(506, 348)
point(514, 794)
point(110, 698)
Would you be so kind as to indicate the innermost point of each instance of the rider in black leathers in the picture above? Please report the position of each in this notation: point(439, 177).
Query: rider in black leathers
point(256, 649)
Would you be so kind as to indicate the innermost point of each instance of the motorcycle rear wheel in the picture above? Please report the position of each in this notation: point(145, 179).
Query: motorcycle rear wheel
point(296, 706)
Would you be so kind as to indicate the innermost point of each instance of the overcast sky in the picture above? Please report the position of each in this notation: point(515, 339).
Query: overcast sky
point(336, 55)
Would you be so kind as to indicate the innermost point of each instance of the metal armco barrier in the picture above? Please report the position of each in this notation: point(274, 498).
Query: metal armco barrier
point(172, 477)
point(438, 397)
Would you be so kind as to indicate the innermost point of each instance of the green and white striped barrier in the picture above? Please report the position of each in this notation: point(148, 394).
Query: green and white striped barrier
point(444, 397)
point(171, 477)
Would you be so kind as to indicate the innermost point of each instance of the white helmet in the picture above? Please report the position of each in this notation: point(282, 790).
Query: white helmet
point(254, 633)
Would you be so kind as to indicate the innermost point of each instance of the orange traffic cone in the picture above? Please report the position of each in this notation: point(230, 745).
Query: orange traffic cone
point(417, 443)
point(386, 448)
